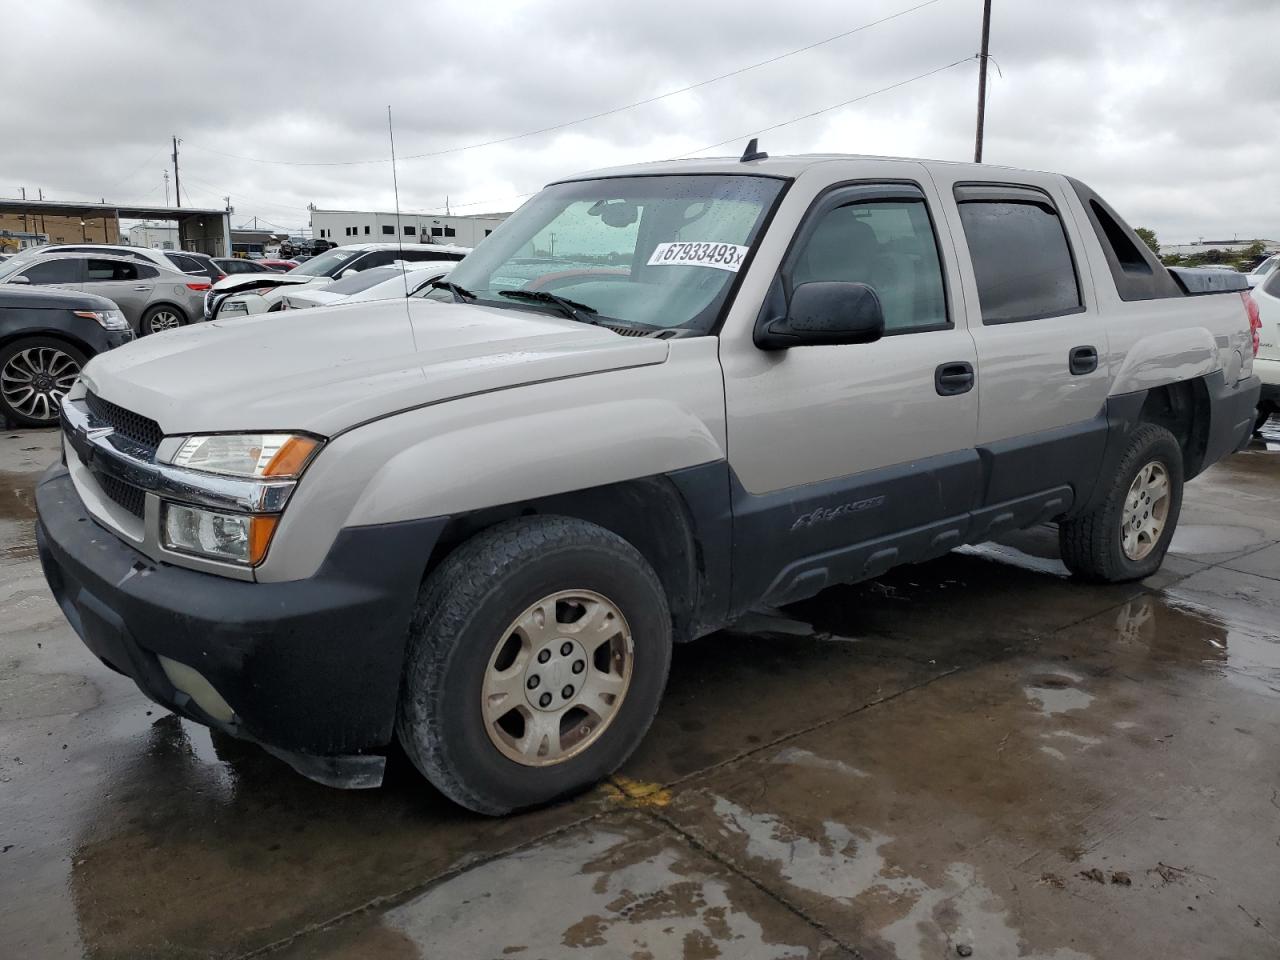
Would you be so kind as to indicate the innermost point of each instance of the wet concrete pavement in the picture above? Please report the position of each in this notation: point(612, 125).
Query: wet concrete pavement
point(974, 754)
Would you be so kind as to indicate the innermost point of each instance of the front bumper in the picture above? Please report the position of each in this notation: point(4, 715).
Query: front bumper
point(311, 668)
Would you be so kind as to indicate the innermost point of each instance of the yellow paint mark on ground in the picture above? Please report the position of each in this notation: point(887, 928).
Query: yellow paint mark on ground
point(637, 793)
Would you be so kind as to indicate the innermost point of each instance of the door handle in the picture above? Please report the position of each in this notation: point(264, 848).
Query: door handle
point(952, 379)
point(1083, 360)
point(143, 287)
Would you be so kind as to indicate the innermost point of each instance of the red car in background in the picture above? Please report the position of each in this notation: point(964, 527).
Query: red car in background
point(282, 266)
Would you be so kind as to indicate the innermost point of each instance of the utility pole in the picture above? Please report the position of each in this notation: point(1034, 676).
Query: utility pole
point(24, 193)
point(166, 188)
point(982, 79)
point(177, 183)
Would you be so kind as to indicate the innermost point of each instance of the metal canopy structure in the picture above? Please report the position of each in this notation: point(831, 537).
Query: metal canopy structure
point(203, 230)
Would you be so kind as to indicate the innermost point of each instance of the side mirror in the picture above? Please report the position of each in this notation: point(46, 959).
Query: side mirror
point(827, 313)
point(21, 279)
point(347, 273)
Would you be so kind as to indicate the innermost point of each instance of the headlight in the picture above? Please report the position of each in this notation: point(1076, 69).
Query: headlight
point(233, 306)
point(237, 538)
point(255, 455)
point(108, 319)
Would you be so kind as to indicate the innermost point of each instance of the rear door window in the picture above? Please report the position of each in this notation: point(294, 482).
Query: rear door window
point(98, 270)
point(1021, 259)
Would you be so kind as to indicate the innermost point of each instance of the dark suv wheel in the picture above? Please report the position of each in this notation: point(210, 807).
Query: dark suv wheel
point(537, 657)
point(35, 374)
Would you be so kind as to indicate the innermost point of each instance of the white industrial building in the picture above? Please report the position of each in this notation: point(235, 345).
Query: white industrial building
point(355, 226)
point(157, 236)
point(1226, 246)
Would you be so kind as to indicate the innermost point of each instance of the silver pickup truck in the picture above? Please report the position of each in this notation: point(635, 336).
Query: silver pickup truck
point(655, 398)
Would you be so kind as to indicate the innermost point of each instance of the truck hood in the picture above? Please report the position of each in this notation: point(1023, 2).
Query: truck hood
point(326, 370)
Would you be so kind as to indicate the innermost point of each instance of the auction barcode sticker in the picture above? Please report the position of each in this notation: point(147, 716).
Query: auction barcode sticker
point(722, 256)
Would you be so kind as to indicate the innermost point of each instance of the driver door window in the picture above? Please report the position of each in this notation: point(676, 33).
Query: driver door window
point(890, 246)
point(53, 272)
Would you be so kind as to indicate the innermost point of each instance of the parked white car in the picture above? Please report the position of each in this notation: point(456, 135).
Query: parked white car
point(395, 281)
point(1258, 275)
point(258, 294)
point(1266, 298)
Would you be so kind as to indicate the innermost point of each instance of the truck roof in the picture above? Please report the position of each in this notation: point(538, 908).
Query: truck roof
point(785, 166)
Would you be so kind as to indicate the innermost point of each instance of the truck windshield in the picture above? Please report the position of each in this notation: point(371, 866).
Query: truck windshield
point(658, 251)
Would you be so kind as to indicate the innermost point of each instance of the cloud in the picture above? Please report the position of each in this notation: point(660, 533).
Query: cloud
point(1166, 108)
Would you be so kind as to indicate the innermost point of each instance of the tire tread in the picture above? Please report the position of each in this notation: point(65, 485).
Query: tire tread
point(463, 581)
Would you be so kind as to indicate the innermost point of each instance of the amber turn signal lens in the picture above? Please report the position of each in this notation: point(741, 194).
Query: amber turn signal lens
point(260, 531)
point(291, 457)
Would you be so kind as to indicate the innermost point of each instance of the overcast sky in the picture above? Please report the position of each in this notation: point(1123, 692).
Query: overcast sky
point(1171, 110)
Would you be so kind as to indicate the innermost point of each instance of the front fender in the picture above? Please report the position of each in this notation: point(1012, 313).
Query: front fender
point(1167, 357)
point(536, 455)
point(504, 447)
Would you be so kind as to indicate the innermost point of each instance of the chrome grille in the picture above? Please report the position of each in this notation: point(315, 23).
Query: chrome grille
point(128, 424)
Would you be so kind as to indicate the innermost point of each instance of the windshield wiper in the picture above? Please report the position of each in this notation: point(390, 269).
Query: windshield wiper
point(460, 294)
point(570, 308)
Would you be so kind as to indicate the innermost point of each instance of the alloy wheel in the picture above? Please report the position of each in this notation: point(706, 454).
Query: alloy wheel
point(557, 678)
point(1146, 510)
point(163, 320)
point(34, 381)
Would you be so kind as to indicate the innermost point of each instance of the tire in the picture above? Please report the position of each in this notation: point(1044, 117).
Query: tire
point(468, 619)
point(1094, 544)
point(35, 374)
point(1264, 414)
point(160, 318)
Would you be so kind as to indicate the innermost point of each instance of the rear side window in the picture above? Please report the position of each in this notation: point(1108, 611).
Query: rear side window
point(414, 255)
point(1021, 259)
point(186, 264)
point(1272, 286)
point(53, 271)
point(110, 270)
point(1137, 272)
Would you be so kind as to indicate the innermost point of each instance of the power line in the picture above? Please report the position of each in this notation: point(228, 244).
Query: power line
point(586, 119)
point(755, 133)
point(834, 106)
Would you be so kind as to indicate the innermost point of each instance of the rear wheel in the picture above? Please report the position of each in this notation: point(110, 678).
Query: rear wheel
point(537, 657)
point(35, 374)
point(161, 318)
point(1127, 535)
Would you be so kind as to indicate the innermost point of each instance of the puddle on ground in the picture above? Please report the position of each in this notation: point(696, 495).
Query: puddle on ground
point(797, 757)
point(848, 864)
point(17, 495)
point(1055, 693)
point(607, 891)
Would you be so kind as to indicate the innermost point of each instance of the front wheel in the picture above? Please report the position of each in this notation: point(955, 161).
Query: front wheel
point(1126, 536)
point(537, 657)
point(162, 318)
point(35, 374)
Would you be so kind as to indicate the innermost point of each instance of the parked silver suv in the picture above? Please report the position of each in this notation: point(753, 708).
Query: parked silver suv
point(153, 298)
point(653, 399)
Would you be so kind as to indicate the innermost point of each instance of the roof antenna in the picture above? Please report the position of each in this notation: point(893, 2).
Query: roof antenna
point(395, 185)
point(753, 152)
